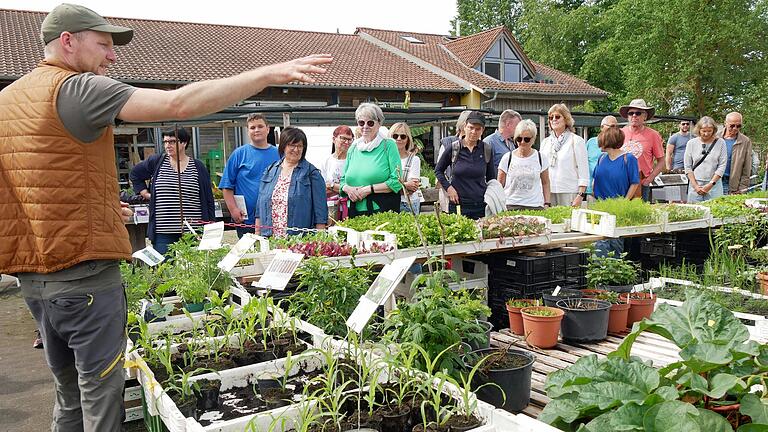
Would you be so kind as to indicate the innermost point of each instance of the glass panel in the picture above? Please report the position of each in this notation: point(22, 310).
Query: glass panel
point(493, 69)
point(495, 51)
point(508, 53)
point(511, 72)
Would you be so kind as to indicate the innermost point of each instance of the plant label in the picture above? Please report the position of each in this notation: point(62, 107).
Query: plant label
point(217, 212)
point(387, 280)
point(280, 271)
point(212, 236)
point(361, 315)
point(149, 256)
point(556, 291)
point(236, 253)
point(140, 214)
point(762, 329)
point(240, 201)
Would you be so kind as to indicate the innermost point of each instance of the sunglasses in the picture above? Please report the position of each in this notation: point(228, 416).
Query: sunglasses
point(362, 123)
point(635, 113)
point(735, 126)
point(555, 117)
point(399, 136)
point(607, 125)
point(521, 139)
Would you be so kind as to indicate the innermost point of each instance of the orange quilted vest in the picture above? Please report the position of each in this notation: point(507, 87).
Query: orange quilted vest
point(58, 196)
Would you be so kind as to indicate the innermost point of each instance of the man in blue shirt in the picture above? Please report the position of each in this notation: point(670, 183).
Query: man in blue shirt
point(676, 146)
point(245, 166)
point(501, 140)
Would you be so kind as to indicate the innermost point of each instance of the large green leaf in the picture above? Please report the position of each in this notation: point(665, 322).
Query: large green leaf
point(707, 334)
point(674, 416)
point(710, 421)
point(751, 427)
point(755, 408)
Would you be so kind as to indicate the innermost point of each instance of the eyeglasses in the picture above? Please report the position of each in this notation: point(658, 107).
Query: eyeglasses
point(635, 113)
point(555, 117)
point(685, 124)
point(607, 125)
point(399, 136)
point(734, 126)
point(171, 141)
point(345, 138)
point(521, 139)
point(362, 123)
point(296, 145)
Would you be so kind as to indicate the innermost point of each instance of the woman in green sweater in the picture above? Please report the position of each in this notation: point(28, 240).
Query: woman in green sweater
point(371, 172)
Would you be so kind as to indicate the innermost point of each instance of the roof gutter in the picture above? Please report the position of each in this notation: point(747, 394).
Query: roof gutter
point(495, 95)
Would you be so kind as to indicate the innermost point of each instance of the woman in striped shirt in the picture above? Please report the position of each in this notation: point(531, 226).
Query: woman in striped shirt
point(180, 189)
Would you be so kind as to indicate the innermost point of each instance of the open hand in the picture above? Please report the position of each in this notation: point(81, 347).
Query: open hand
point(300, 69)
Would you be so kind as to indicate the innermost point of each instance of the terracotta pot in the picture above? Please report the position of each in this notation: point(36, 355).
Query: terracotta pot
point(592, 293)
point(516, 318)
point(762, 279)
point(541, 331)
point(639, 308)
point(617, 318)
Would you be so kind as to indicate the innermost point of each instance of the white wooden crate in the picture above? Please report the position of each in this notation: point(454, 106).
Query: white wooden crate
point(604, 224)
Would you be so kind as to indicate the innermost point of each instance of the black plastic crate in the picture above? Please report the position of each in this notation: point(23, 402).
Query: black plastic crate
point(552, 261)
point(503, 274)
point(658, 246)
point(503, 290)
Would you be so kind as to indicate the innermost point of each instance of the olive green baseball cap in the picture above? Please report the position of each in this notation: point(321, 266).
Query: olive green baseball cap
point(74, 18)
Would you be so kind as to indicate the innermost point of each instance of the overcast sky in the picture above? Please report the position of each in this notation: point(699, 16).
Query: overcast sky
point(422, 16)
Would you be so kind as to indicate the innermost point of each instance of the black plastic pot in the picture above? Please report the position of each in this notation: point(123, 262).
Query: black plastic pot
point(515, 382)
point(585, 320)
point(486, 342)
point(565, 293)
point(265, 355)
point(208, 395)
point(188, 408)
point(465, 428)
point(396, 421)
point(616, 288)
point(266, 384)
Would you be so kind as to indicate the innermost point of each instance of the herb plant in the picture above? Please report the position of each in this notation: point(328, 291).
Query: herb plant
point(499, 226)
point(628, 212)
point(557, 214)
point(457, 228)
point(610, 271)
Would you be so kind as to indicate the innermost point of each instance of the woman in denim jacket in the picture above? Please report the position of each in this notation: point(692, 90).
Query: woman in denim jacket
point(292, 191)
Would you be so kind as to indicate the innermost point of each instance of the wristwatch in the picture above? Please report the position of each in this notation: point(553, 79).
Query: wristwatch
point(372, 189)
point(546, 204)
point(583, 195)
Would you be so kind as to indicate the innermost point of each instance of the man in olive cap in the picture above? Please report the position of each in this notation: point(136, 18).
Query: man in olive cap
point(61, 230)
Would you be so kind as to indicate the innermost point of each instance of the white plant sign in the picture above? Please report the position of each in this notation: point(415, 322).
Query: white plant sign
point(149, 256)
point(236, 253)
point(378, 293)
point(212, 236)
point(280, 271)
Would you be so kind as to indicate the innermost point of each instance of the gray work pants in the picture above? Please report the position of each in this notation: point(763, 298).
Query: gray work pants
point(84, 340)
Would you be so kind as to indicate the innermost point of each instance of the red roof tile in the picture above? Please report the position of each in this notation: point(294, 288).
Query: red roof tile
point(178, 52)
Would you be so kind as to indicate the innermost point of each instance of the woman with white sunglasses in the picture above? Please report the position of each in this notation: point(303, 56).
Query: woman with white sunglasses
point(524, 172)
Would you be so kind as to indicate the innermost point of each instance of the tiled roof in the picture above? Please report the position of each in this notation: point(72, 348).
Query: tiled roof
point(438, 51)
point(164, 51)
point(179, 52)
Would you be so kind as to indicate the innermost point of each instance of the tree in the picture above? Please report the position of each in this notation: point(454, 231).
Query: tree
point(475, 16)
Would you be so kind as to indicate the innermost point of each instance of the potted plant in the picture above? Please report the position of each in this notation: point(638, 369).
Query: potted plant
point(585, 320)
point(641, 305)
point(515, 317)
point(611, 273)
point(617, 318)
point(551, 297)
point(192, 290)
point(541, 325)
point(503, 377)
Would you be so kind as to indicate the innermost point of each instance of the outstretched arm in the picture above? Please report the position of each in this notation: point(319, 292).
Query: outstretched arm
point(205, 97)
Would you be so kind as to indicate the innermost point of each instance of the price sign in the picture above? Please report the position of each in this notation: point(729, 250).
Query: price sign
point(280, 271)
point(212, 236)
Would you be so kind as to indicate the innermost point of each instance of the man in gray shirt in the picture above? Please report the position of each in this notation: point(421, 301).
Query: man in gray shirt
point(676, 146)
point(61, 232)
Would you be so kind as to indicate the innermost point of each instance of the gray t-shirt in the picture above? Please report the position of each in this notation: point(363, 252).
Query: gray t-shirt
point(88, 103)
point(679, 141)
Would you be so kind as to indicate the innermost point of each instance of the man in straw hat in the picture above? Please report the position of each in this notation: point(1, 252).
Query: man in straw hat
point(643, 142)
point(61, 229)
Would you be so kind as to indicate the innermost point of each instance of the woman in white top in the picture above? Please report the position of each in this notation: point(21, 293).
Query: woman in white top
point(704, 161)
point(410, 164)
point(524, 172)
point(568, 162)
point(333, 167)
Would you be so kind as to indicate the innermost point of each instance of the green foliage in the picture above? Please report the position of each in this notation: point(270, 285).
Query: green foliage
point(328, 294)
point(501, 226)
point(678, 213)
point(729, 206)
point(457, 228)
point(719, 365)
point(609, 270)
point(556, 214)
point(192, 273)
point(475, 16)
point(437, 318)
point(628, 212)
